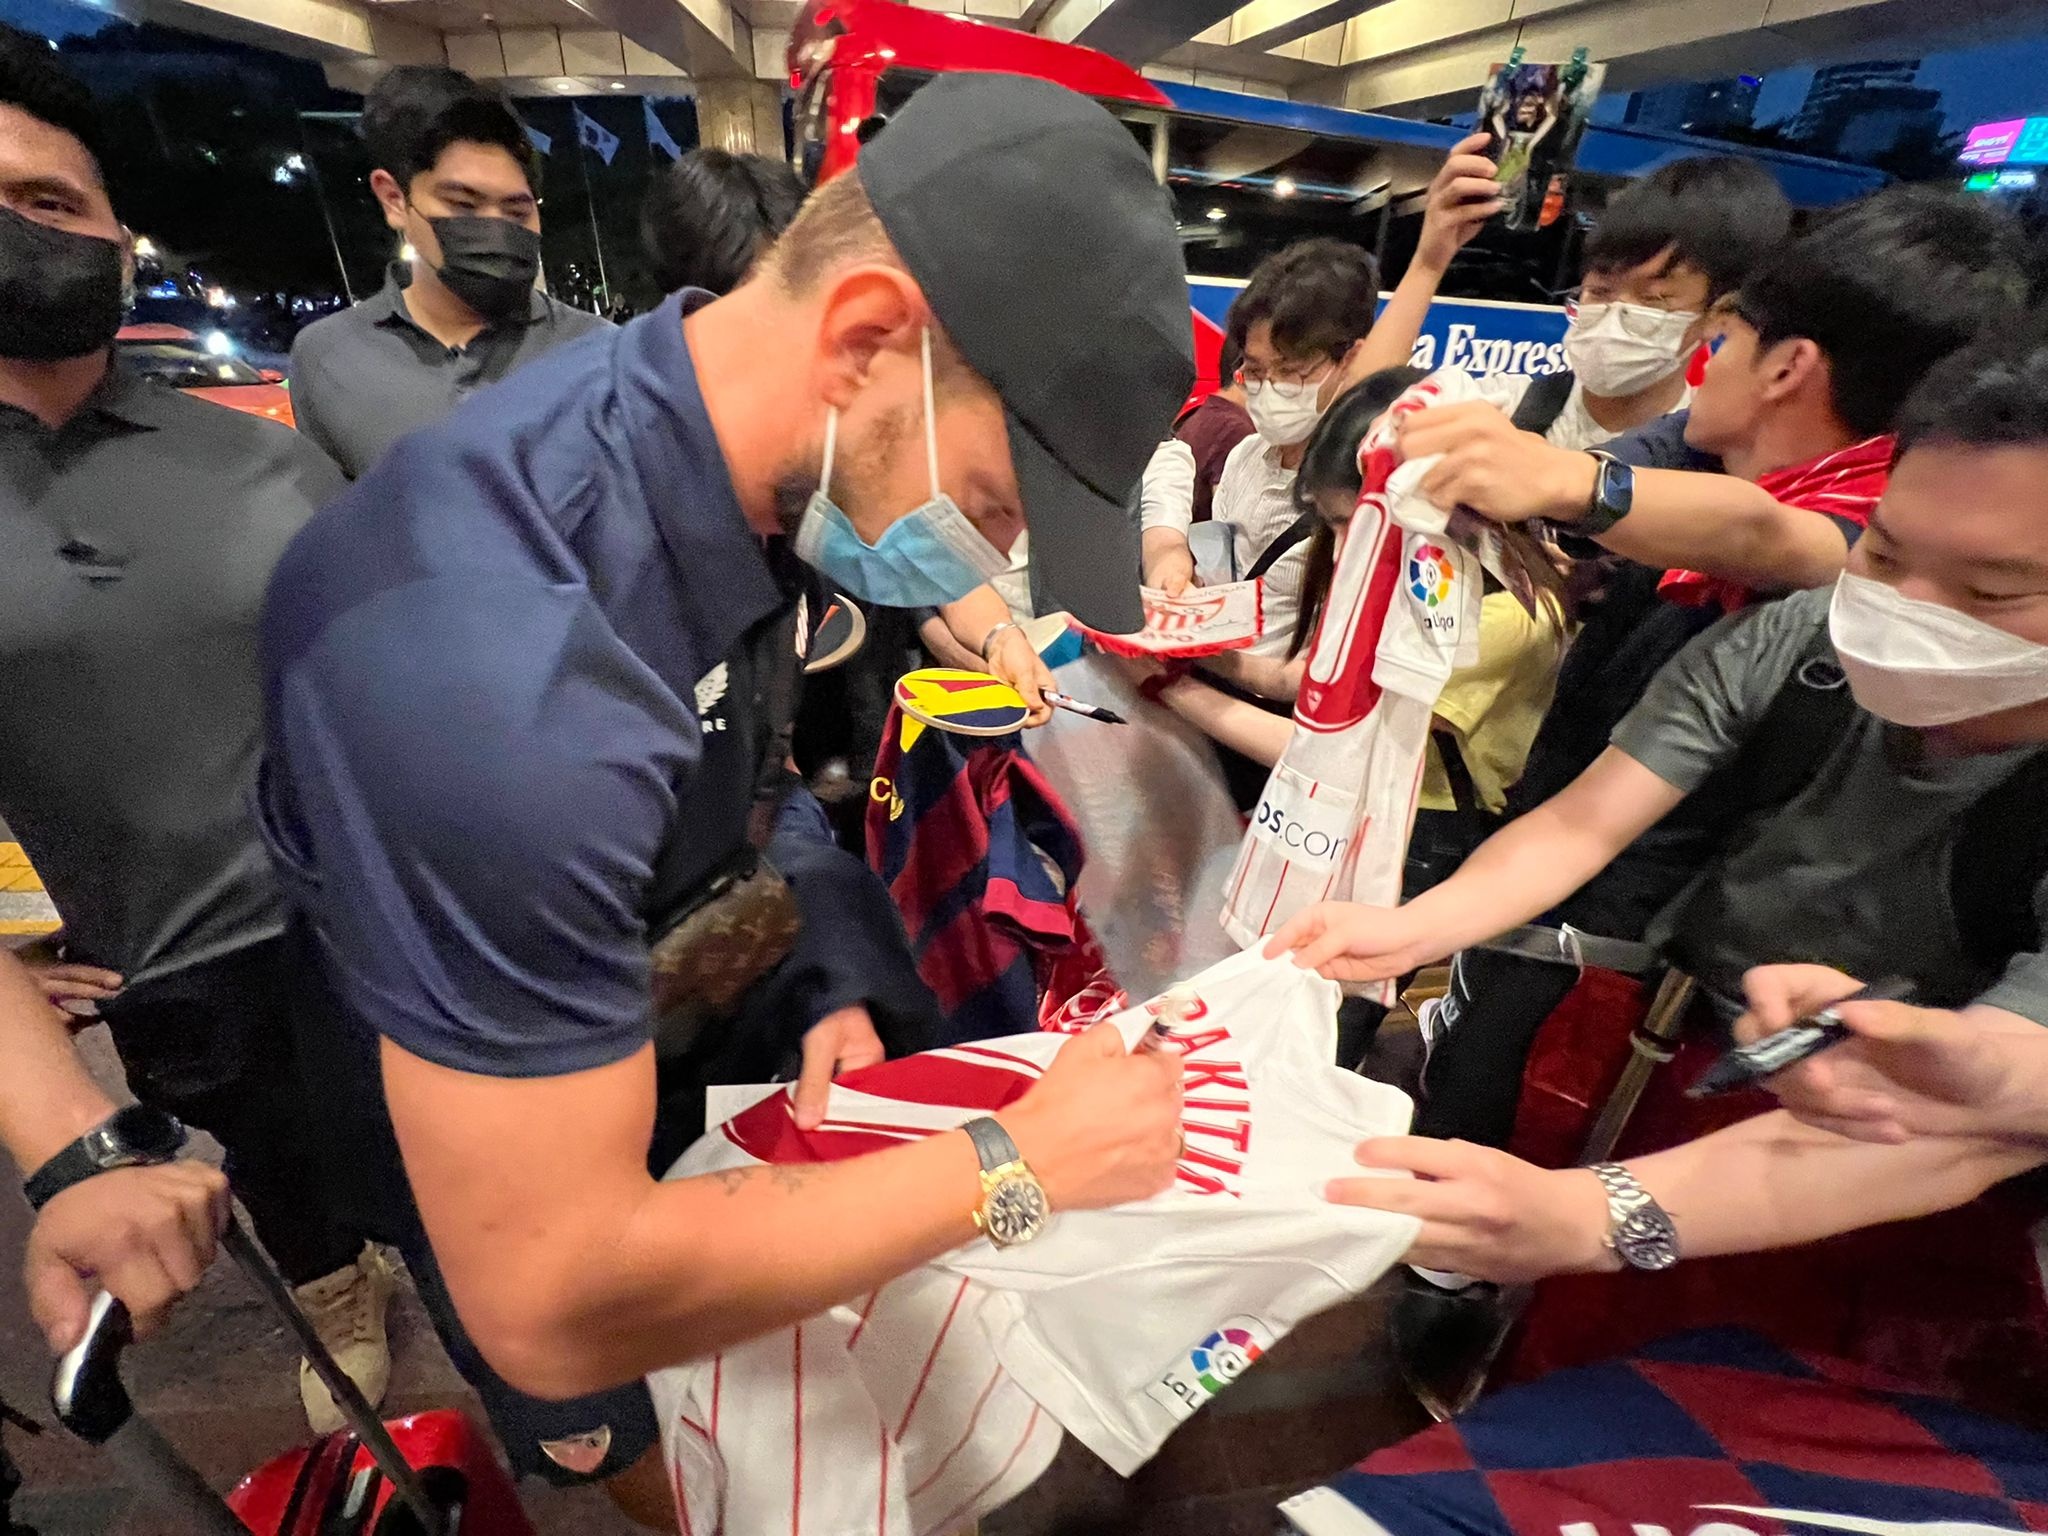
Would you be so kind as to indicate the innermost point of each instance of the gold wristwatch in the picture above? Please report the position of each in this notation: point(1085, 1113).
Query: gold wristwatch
point(1013, 1206)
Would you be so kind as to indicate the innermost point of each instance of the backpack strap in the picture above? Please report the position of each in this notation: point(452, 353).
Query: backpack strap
point(1295, 533)
point(1999, 859)
point(1543, 402)
point(2000, 853)
point(1812, 709)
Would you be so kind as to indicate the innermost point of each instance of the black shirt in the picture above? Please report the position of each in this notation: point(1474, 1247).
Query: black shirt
point(364, 378)
point(135, 544)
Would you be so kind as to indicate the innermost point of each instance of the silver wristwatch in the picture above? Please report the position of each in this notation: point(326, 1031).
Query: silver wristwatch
point(1638, 1228)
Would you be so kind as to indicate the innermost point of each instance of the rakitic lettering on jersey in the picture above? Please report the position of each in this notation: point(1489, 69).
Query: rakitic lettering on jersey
point(1216, 1108)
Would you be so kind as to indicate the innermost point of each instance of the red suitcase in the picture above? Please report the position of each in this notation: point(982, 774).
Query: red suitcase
point(431, 1474)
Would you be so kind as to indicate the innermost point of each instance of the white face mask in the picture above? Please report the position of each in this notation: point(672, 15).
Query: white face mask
point(1621, 349)
point(1285, 414)
point(1922, 664)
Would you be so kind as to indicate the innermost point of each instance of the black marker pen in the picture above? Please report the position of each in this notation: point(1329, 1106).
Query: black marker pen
point(1808, 1037)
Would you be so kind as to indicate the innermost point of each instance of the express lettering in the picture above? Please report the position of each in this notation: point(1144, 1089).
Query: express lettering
point(1711, 1528)
point(1465, 348)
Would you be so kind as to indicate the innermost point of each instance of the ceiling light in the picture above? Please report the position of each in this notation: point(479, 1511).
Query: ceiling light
point(618, 85)
point(565, 85)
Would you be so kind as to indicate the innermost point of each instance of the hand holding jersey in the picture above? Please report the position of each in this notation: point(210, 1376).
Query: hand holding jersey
point(945, 1392)
point(1495, 1217)
point(1940, 626)
point(1401, 616)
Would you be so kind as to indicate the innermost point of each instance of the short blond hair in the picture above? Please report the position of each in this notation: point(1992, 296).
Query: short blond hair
point(836, 226)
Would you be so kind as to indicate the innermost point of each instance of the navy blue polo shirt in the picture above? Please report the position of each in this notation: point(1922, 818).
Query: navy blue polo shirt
point(481, 664)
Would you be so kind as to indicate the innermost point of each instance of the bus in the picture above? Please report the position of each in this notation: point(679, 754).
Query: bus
point(1250, 174)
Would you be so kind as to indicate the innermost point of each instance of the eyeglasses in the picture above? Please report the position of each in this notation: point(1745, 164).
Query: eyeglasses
point(1286, 373)
point(1642, 321)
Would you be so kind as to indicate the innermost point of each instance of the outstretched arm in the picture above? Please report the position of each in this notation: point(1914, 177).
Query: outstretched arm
point(1718, 524)
point(1514, 876)
point(1770, 1182)
point(1463, 196)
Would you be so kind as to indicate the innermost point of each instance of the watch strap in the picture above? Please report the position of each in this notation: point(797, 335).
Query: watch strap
point(133, 1136)
point(1620, 1184)
point(1606, 509)
point(73, 1165)
point(992, 1144)
point(1627, 1200)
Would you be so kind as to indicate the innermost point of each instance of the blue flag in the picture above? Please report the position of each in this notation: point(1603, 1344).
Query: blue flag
point(543, 142)
point(658, 136)
point(592, 134)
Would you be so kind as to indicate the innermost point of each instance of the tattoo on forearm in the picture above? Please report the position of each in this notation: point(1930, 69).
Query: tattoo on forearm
point(786, 1178)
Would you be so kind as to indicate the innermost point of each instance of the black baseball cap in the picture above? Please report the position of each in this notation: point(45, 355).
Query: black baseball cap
point(1030, 219)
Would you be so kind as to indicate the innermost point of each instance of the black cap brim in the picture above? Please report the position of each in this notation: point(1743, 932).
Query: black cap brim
point(1085, 555)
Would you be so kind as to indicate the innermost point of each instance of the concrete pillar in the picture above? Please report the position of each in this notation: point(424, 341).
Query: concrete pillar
point(741, 115)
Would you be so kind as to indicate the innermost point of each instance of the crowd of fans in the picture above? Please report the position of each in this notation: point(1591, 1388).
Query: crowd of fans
point(1776, 720)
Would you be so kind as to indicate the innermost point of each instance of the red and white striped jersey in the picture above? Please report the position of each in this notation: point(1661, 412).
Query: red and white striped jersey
point(915, 1409)
point(1402, 614)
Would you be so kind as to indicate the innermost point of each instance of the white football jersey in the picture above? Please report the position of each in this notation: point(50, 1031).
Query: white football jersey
point(918, 1408)
point(1402, 614)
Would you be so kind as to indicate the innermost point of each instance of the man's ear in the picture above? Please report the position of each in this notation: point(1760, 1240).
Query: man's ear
point(866, 312)
point(1792, 366)
point(127, 260)
point(390, 197)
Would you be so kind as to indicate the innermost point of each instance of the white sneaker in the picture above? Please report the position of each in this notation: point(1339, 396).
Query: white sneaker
point(347, 1311)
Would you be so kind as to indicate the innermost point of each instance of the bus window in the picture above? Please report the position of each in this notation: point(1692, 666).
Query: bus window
point(1244, 190)
point(899, 85)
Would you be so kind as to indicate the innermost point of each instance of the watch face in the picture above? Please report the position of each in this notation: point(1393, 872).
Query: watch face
point(1015, 1211)
point(1647, 1240)
point(146, 1132)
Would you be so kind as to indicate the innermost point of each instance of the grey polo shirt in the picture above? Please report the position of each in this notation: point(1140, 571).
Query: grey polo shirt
point(364, 378)
point(136, 542)
point(1854, 871)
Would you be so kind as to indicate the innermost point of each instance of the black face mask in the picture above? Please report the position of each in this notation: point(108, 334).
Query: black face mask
point(489, 264)
point(60, 293)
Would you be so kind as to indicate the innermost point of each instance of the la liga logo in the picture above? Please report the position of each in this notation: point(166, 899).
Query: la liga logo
point(1223, 1357)
point(1429, 574)
point(1203, 1371)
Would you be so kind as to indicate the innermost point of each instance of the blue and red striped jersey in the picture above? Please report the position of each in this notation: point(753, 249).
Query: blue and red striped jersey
point(1714, 1432)
point(982, 859)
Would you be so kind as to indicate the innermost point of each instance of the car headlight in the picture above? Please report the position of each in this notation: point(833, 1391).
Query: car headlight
point(220, 344)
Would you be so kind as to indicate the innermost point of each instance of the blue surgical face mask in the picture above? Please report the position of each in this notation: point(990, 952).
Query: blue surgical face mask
point(930, 556)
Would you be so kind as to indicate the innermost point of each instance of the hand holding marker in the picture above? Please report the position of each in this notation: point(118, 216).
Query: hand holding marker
point(1749, 1064)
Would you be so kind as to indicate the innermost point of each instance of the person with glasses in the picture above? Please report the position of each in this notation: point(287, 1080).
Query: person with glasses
point(1303, 315)
point(1817, 352)
point(1666, 251)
